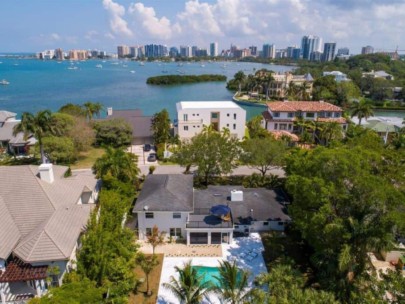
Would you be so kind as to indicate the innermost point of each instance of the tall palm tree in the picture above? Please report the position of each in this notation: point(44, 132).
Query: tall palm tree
point(38, 125)
point(240, 77)
point(90, 109)
point(233, 283)
point(97, 108)
point(117, 163)
point(362, 109)
point(189, 288)
point(331, 131)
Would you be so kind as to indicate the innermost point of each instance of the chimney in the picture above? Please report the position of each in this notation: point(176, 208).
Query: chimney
point(46, 173)
point(236, 195)
point(109, 111)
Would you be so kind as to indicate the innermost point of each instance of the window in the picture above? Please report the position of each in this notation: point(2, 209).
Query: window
point(236, 227)
point(214, 115)
point(310, 115)
point(275, 126)
point(149, 215)
point(234, 116)
point(198, 114)
point(148, 231)
point(227, 125)
point(322, 114)
point(337, 114)
point(329, 114)
point(289, 127)
point(185, 128)
point(290, 114)
point(234, 126)
point(176, 215)
point(265, 223)
point(283, 126)
point(228, 114)
point(193, 126)
point(175, 231)
point(281, 223)
point(193, 114)
point(185, 117)
point(276, 114)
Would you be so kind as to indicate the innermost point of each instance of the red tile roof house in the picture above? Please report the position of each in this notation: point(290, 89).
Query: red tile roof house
point(281, 115)
point(42, 216)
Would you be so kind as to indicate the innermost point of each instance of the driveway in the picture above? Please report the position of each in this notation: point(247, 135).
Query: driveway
point(142, 156)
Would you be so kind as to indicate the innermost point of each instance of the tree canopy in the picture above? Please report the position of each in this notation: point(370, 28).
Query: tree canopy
point(114, 132)
point(161, 127)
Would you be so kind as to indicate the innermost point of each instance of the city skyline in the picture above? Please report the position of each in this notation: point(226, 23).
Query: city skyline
point(104, 24)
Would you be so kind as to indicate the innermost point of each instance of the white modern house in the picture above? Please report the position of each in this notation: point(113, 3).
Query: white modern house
point(171, 203)
point(339, 76)
point(42, 216)
point(192, 116)
point(281, 115)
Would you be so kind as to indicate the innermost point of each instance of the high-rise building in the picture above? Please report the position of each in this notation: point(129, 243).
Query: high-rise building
point(174, 51)
point(214, 49)
point(315, 56)
point(134, 51)
point(185, 51)
point(367, 50)
point(155, 50)
point(269, 51)
point(253, 51)
point(194, 49)
point(122, 51)
point(310, 44)
point(343, 51)
point(328, 51)
point(78, 54)
point(296, 54)
point(59, 54)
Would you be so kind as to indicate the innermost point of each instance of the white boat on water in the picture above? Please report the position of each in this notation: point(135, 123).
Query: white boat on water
point(141, 63)
point(99, 66)
point(72, 68)
point(133, 72)
point(4, 82)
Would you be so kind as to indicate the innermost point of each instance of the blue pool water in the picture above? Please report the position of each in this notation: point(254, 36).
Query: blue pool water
point(209, 274)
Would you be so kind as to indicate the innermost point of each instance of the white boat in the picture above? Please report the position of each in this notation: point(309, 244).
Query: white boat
point(141, 63)
point(99, 66)
point(202, 65)
point(4, 82)
point(133, 72)
point(72, 68)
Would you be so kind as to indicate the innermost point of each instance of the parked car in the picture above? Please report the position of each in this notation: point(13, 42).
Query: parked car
point(152, 157)
point(147, 147)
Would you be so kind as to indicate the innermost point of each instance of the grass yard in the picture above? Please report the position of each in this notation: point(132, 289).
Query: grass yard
point(87, 159)
point(154, 279)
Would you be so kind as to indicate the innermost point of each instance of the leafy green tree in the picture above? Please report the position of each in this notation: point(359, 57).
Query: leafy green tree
point(114, 132)
point(240, 78)
point(72, 109)
point(346, 91)
point(161, 127)
point(91, 109)
point(344, 208)
point(233, 283)
point(117, 163)
point(362, 109)
point(38, 125)
point(255, 128)
point(263, 154)
point(59, 149)
point(62, 122)
point(325, 88)
point(189, 288)
point(147, 264)
point(331, 131)
point(82, 134)
point(214, 153)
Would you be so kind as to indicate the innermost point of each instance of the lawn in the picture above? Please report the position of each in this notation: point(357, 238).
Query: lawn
point(154, 279)
point(87, 159)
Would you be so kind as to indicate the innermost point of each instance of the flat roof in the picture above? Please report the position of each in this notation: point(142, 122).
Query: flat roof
point(207, 105)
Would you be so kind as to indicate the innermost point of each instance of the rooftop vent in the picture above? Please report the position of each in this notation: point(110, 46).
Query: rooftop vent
point(236, 195)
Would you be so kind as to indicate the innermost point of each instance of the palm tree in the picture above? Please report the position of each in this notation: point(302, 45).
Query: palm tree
point(97, 108)
point(147, 264)
point(38, 125)
point(233, 283)
point(91, 108)
point(362, 109)
point(189, 288)
point(240, 77)
point(331, 131)
point(117, 163)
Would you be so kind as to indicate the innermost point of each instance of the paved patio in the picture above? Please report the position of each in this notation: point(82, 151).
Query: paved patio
point(182, 250)
point(245, 251)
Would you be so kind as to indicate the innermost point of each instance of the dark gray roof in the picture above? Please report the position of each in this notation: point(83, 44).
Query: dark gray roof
point(266, 204)
point(166, 192)
point(141, 125)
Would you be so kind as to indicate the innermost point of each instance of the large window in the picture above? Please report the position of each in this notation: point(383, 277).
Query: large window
point(185, 128)
point(214, 115)
point(149, 215)
point(185, 117)
point(276, 114)
point(176, 215)
point(175, 232)
point(290, 114)
point(310, 115)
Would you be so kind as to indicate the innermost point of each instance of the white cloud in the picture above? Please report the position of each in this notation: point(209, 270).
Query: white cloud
point(54, 37)
point(91, 35)
point(150, 24)
point(118, 24)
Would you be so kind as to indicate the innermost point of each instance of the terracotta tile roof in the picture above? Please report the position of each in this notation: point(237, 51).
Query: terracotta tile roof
point(305, 106)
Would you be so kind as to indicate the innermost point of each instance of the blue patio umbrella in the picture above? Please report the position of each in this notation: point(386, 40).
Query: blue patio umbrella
point(220, 210)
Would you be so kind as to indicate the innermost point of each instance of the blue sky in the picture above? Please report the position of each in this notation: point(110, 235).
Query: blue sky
point(35, 25)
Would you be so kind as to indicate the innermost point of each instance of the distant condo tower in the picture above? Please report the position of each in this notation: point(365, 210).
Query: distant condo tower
point(214, 49)
point(367, 50)
point(310, 44)
point(329, 51)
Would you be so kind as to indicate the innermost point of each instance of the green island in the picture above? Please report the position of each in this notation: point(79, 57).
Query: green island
point(181, 79)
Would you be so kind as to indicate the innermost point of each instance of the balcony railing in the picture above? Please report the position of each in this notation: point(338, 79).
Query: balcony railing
point(203, 224)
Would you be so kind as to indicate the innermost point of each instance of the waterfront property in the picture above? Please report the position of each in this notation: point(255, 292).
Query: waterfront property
point(192, 116)
point(206, 216)
point(10, 143)
point(339, 76)
point(282, 82)
point(281, 116)
point(42, 216)
point(378, 74)
point(141, 125)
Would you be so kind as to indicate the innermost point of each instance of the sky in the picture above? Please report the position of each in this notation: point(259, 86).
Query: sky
point(36, 25)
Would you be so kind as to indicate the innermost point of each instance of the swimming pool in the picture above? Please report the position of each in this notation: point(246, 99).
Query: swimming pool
point(209, 274)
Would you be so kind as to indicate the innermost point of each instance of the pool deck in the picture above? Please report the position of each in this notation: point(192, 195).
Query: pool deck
point(234, 252)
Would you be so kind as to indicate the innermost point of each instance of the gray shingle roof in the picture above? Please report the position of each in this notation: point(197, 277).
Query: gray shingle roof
point(141, 125)
point(6, 134)
point(166, 192)
point(37, 210)
point(266, 204)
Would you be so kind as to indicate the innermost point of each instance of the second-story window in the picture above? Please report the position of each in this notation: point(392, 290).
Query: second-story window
point(185, 128)
point(149, 215)
point(234, 115)
point(290, 114)
point(276, 114)
point(234, 126)
point(176, 215)
point(185, 117)
point(310, 115)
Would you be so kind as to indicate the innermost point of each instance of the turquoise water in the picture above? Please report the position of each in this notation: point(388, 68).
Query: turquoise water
point(36, 85)
point(209, 274)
